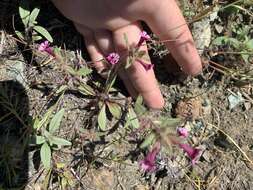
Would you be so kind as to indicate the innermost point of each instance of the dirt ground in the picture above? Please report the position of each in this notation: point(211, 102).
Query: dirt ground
point(109, 160)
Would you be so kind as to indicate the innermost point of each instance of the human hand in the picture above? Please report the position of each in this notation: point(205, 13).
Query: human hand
point(103, 24)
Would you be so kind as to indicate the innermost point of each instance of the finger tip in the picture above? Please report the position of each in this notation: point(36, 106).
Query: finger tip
point(154, 100)
point(194, 68)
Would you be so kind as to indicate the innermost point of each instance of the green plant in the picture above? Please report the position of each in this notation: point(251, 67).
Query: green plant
point(33, 31)
point(241, 41)
point(47, 140)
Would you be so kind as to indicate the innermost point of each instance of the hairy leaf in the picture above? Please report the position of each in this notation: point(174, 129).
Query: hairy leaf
point(45, 155)
point(148, 140)
point(133, 118)
point(114, 109)
point(19, 34)
point(24, 12)
point(86, 90)
point(33, 16)
point(84, 71)
point(56, 121)
point(102, 118)
point(43, 32)
point(40, 139)
point(60, 141)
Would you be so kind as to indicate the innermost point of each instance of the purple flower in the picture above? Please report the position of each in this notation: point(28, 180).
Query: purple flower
point(182, 132)
point(192, 153)
point(148, 163)
point(45, 46)
point(113, 58)
point(144, 37)
point(146, 66)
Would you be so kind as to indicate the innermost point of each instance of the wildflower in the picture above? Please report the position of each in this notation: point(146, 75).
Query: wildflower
point(146, 66)
point(192, 153)
point(45, 46)
point(182, 132)
point(113, 58)
point(144, 37)
point(148, 163)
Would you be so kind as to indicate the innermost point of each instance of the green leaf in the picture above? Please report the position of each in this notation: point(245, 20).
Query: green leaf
point(48, 136)
point(249, 44)
point(245, 57)
point(36, 38)
point(141, 53)
point(129, 61)
point(114, 109)
point(86, 90)
point(19, 35)
point(45, 155)
point(138, 107)
point(56, 121)
point(71, 70)
point(38, 124)
point(43, 32)
point(126, 40)
point(84, 71)
point(61, 89)
point(148, 140)
point(33, 16)
point(133, 118)
point(59, 141)
point(102, 118)
point(168, 122)
point(39, 139)
point(24, 12)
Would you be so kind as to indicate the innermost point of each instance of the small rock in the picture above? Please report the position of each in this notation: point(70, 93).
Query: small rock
point(234, 100)
point(218, 28)
point(206, 107)
point(247, 105)
point(207, 156)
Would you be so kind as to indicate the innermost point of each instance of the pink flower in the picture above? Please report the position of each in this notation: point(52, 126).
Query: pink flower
point(113, 58)
point(45, 46)
point(192, 153)
point(182, 132)
point(148, 163)
point(144, 37)
point(146, 66)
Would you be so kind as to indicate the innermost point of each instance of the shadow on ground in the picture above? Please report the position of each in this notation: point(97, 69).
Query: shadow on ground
point(14, 132)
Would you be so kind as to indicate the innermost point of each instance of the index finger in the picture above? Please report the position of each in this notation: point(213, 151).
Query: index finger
point(168, 23)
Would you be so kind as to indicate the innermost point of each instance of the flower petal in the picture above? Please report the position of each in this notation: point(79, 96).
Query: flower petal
point(148, 164)
point(182, 132)
point(113, 58)
point(144, 37)
point(146, 66)
point(192, 153)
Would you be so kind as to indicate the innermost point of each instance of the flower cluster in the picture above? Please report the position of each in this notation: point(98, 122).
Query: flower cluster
point(113, 58)
point(192, 153)
point(148, 164)
point(182, 132)
point(45, 47)
point(144, 37)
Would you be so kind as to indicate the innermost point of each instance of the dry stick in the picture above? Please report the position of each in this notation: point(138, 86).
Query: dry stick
point(237, 146)
point(247, 96)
